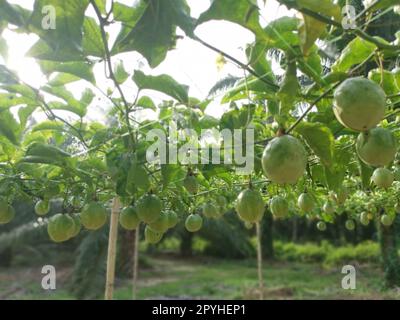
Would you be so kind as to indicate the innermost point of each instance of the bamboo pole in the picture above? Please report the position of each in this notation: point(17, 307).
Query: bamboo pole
point(135, 263)
point(112, 249)
point(259, 261)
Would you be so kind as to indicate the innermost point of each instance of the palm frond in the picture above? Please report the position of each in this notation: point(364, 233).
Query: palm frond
point(223, 85)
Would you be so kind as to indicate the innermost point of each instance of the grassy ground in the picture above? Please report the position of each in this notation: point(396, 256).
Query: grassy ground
point(213, 279)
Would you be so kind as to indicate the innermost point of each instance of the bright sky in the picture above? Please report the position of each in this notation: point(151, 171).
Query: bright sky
point(190, 63)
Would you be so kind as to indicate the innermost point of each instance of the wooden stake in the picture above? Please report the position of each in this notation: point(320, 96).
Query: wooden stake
point(259, 261)
point(112, 249)
point(135, 263)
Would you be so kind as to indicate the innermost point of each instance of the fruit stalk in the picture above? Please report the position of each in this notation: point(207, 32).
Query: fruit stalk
point(112, 249)
point(259, 261)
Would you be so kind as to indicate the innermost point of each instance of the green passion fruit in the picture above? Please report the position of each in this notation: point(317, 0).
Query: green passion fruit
point(191, 185)
point(364, 219)
point(161, 224)
point(173, 218)
point(149, 208)
point(42, 207)
point(359, 104)
point(152, 236)
point(386, 220)
point(61, 227)
point(250, 206)
point(350, 225)
point(306, 202)
point(376, 147)
point(284, 160)
point(279, 207)
point(383, 178)
point(7, 212)
point(129, 219)
point(77, 225)
point(193, 223)
point(210, 210)
point(321, 226)
point(93, 215)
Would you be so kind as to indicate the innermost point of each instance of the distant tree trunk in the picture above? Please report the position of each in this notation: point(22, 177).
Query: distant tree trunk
point(126, 249)
point(6, 257)
point(295, 224)
point(390, 257)
point(186, 246)
point(267, 239)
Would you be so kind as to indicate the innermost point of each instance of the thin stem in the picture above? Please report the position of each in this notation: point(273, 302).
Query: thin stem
point(322, 96)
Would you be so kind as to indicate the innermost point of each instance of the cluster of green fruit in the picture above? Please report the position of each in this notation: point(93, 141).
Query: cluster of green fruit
point(149, 209)
point(62, 227)
point(359, 104)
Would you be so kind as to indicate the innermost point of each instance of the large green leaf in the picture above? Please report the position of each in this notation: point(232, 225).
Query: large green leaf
point(137, 178)
point(281, 33)
point(242, 12)
point(152, 32)
point(38, 152)
point(320, 139)
point(92, 42)
point(9, 127)
point(13, 13)
point(162, 83)
point(79, 107)
point(311, 29)
point(82, 70)
point(355, 52)
point(67, 34)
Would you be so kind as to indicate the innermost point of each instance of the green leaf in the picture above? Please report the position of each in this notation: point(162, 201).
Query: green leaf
point(355, 52)
point(242, 12)
point(9, 127)
point(49, 125)
point(320, 139)
point(92, 42)
point(366, 174)
point(385, 79)
point(7, 76)
point(153, 30)
point(82, 70)
point(120, 74)
point(137, 178)
point(289, 88)
point(8, 100)
point(13, 13)
point(162, 83)
point(25, 113)
point(67, 34)
point(171, 173)
point(79, 107)
point(129, 14)
point(256, 55)
point(311, 29)
point(281, 33)
point(61, 79)
point(146, 103)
